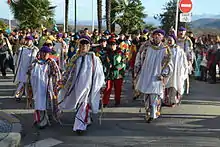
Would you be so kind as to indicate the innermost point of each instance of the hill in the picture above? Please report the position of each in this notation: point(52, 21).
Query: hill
point(202, 23)
point(13, 22)
point(206, 23)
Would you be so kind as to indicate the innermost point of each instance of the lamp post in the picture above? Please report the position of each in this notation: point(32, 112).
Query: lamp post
point(9, 20)
point(64, 12)
point(93, 22)
point(75, 16)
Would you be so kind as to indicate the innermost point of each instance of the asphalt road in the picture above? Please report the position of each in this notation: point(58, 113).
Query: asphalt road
point(194, 123)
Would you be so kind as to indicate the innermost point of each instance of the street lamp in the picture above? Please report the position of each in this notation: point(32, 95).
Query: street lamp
point(64, 12)
point(75, 16)
point(93, 23)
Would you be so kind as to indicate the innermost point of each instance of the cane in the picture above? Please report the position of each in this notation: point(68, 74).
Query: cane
point(187, 84)
point(102, 108)
point(100, 117)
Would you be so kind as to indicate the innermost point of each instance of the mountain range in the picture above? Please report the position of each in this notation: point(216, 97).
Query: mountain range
point(198, 21)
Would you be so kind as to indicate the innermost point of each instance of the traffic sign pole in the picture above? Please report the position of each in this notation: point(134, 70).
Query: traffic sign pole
point(177, 16)
point(185, 6)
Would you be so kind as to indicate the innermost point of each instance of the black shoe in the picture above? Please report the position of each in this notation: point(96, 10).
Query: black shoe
point(79, 132)
point(150, 120)
point(163, 104)
point(212, 82)
point(117, 104)
point(135, 98)
point(18, 99)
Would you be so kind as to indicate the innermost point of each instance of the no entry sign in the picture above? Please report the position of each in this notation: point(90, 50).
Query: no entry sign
point(185, 6)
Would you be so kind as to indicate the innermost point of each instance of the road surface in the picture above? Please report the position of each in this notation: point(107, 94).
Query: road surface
point(196, 122)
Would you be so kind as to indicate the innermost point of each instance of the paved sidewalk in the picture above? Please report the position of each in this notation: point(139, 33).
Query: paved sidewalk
point(10, 126)
point(10, 129)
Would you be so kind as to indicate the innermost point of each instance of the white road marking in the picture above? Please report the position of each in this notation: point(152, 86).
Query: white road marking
point(49, 142)
point(196, 129)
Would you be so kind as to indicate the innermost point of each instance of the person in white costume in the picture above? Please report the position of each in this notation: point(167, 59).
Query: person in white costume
point(155, 70)
point(82, 83)
point(186, 44)
point(44, 77)
point(175, 85)
point(139, 60)
point(24, 59)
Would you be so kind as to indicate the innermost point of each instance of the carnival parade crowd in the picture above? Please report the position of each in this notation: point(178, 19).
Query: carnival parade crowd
point(77, 71)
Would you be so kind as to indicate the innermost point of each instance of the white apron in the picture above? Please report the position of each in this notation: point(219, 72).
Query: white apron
point(39, 82)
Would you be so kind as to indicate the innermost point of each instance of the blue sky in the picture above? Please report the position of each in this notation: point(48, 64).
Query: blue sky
point(152, 7)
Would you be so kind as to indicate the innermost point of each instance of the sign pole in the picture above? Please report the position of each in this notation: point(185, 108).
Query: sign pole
point(177, 17)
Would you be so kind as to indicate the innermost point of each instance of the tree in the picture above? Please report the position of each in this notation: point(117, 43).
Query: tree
point(3, 25)
point(113, 14)
point(167, 18)
point(32, 14)
point(66, 14)
point(99, 10)
point(150, 27)
point(129, 15)
point(108, 14)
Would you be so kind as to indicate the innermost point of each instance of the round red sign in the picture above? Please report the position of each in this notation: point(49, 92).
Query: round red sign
point(185, 6)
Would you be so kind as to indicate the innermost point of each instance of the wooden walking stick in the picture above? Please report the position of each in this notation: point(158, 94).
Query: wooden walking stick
point(100, 117)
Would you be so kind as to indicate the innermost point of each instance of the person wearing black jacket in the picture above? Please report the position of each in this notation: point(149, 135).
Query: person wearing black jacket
point(3, 56)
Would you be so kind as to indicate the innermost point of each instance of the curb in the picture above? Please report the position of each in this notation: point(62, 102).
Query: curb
point(13, 138)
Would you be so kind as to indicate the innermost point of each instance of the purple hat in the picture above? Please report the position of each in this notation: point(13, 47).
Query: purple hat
point(60, 35)
point(85, 38)
point(159, 31)
point(173, 36)
point(182, 28)
point(45, 49)
point(29, 38)
point(145, 31)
